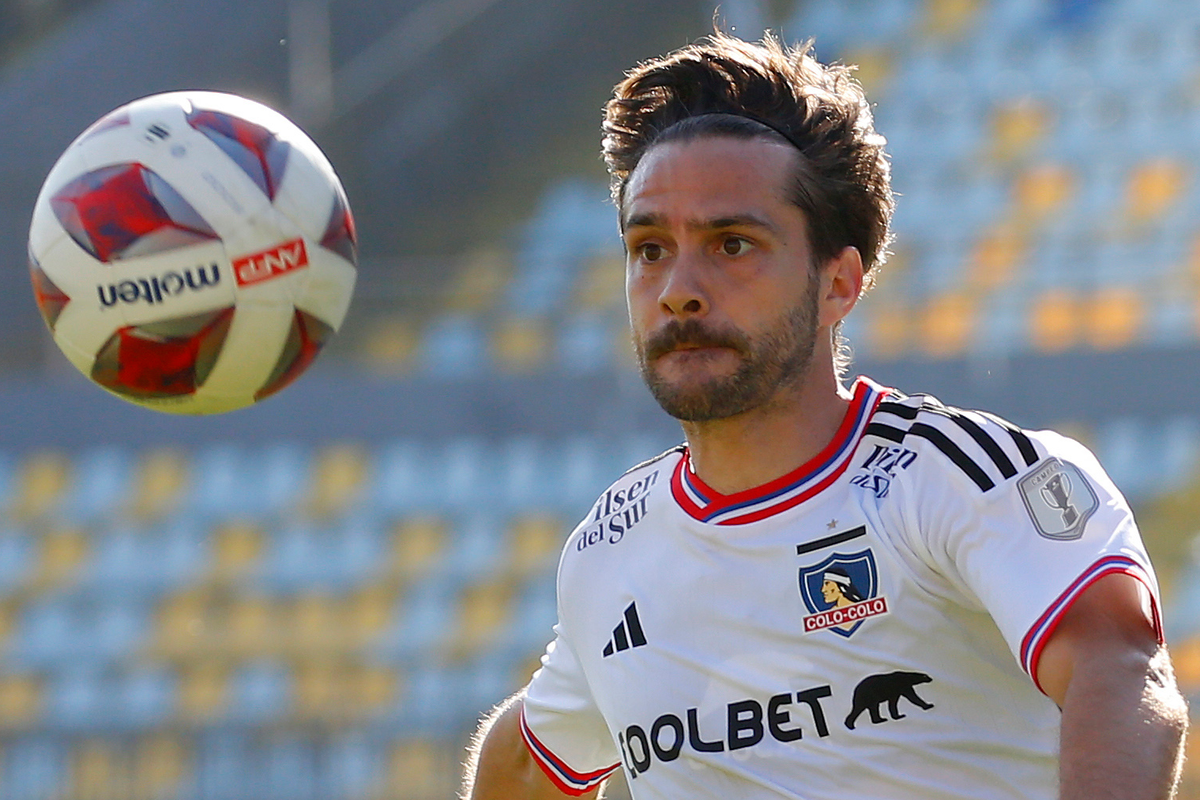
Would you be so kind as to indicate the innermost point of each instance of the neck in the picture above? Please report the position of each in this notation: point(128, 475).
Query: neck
point(753, 448)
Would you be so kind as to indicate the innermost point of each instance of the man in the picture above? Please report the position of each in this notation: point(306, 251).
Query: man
point(999, 569)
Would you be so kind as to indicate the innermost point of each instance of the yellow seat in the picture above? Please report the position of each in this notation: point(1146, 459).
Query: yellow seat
point(420, 770)
point(161, 477)
point(20, 701)
point(520, 345)
point(874, 68)
point(1055, 322)
point(318, 691)
point(534, 541)
point(185, 625)
point(316, 625)
point(251, 627)
point(338, 476)
point(601, 284)
point(237, 546)
point(1114, 318)
point(1042, 192)
point(889, 330)
point(160, 763)
point(997, 257)
point(390, 346)
point(1016, 127)
point(1153, 188)
point(483, 611)
point(947, 324)
point(63, 551)
point(482, 279)
point(43, 477)
point(203, 690)
point(417, 545)
point(99, 770)
point(369, 612)
point(949, 19)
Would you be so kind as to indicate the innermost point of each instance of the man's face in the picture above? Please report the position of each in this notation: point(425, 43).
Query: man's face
point(722, 302)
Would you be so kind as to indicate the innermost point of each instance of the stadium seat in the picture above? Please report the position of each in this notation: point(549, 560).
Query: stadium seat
point(601, 285)
point(389, 347)
point(203, 692)
point(534, 543)
point(418, 769)
point(1017, 126)
point(1153, 188)
point(1055, 321)
point(161, 479)
point(419, 545)
point(259, 691)
point(98, 771)
point(484, 609)
point(21, 702)
point(453, 346)
point(585, 344)
point(144, 698)
point(44, 476)
point(101, 484)
point(338, 474)
point(1113, 318)
point(18, 559)
point(520, 345)
point(354, 766)
point(161, 765)
point(946, 325)
point(237, 548)
point(78, 698)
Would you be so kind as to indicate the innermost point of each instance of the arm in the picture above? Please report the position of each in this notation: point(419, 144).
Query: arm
point(1123, 719)
point(499, 766)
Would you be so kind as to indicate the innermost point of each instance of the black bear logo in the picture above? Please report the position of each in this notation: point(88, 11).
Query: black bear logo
point(873, 690)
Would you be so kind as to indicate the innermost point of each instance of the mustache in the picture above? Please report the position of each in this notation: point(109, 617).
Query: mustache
point(692, 333)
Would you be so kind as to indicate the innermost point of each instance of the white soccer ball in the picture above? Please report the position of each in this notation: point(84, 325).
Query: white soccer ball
point(192, 252)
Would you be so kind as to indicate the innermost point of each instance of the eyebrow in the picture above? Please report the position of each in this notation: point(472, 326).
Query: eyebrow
point(652, 220)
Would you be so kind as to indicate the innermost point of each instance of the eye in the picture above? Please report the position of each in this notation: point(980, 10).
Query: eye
point(735, 246)
point(651, 251)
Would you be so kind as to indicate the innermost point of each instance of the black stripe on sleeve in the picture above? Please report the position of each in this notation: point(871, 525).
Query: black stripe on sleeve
point(885, 431)
point(952, 451)
point(1023, 442)
point(900, 410)
point(989, 445)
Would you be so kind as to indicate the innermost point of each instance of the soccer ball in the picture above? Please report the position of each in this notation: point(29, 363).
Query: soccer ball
point(192, 252)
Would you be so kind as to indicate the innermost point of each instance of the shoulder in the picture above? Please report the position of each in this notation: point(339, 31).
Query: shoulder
point(978, 448)
point(625, 502)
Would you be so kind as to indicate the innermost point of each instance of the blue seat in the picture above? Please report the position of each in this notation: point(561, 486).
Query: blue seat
point(35, 768)
point(260, 691)
point(78, 698)
point(101, 484)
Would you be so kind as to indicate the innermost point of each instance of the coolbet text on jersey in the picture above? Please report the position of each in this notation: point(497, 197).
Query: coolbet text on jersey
point(866, 626)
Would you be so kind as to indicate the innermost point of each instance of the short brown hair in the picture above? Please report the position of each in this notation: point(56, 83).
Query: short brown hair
point(843, 184)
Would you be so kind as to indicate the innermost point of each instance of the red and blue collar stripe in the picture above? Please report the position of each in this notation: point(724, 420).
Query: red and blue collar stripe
point(707, 505)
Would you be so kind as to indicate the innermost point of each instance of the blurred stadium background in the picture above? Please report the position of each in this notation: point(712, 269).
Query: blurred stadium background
point(316, 598)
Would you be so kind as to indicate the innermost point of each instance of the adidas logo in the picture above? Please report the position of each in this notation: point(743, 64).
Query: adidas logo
point(626, 635)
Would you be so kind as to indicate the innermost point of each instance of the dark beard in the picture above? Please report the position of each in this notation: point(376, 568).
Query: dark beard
point(778, 357)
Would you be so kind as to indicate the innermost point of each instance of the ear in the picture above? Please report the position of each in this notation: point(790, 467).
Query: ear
point(841, 285)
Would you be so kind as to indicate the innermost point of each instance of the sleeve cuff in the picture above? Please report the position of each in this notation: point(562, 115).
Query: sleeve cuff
point(1040, 632)
point(566, 779)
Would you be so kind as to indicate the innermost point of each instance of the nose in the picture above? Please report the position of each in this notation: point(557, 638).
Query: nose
point(684, 292)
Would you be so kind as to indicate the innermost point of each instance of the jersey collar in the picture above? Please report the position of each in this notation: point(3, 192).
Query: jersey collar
point(708, 505)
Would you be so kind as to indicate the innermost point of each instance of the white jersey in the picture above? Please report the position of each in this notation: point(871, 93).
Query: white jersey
point(866, 626)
